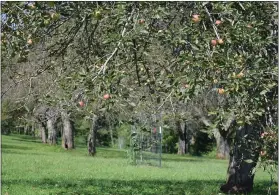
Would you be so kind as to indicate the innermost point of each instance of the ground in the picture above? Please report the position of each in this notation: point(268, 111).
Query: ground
point(29, 167)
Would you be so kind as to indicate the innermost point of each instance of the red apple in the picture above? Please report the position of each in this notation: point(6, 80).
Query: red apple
point(196, 15)
point(29, 41)
point(240, 75)
point(217, 22)
point(141, 21)
point(81, 103)
point(106, 96)
point(263, 153)
point(213, 42)
point(196, 18)
point(249, 26)
point(221, 91)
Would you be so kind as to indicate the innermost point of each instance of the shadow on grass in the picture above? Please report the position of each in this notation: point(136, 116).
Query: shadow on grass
point(8, 151)
point(15, 147)
point(180, 160)
point(34, 140)
point(122, 187)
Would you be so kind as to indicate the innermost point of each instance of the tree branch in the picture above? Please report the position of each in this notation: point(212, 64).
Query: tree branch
point(103, 68)
point(213, 25)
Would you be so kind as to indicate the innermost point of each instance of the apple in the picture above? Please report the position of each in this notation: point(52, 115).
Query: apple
point(221, 91)
point(249, 26)
point(30, 41)
point(81, 103)
point(46, 22)
point(220, 41)
point(213, 42)
point(141, 21)
point(186, 86)
point(217, 22)
point(263, 153)
point(240, 75)
point(31, 6)
point(54, 16)
point(106, 96)
point(215, 81)
point(263, 134)
point(98, 15)
point(196, 18)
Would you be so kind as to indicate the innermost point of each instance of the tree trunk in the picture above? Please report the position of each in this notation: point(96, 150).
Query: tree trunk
point(51, 116)
point(67, 133)
point(26, 127)
point(52, 138)
point(91, 140)
point(181, 127)
point(33, 130)
point(43, 132)
point(223, 147)
point(241, 171)
point(111, 136)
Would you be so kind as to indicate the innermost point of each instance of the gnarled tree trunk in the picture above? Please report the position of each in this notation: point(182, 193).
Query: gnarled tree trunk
point(182, 138)
point(26, 128)
point(91, 140)
point(52, 137)
point(51, 116)
point(111, 136)
point(240, 171)
point(33, 130)
point(67, 133)
point(43, 132)
point(223, 147)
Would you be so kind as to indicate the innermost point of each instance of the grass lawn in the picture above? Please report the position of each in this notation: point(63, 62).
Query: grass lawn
point(29, 167)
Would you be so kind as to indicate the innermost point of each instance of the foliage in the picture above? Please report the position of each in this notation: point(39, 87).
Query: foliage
point(152, 57)
point(269, 153)
point(203, 144)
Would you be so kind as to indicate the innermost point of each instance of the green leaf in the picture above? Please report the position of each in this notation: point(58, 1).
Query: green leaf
point(51, 3)
point(27, 109)
point(132, 104)
point(249, 161)
point(211, 113)
point(144, 31)
point(263, 92)
point(103, 109)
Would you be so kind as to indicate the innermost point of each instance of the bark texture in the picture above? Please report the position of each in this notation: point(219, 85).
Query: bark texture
point(182, 138)
point(240, 171)
point(91, 140)
point(223, 147)
point(42, 129)
point(26, 128)
point(33, 130)
point(67, 132)
point(52, 138)
point(51, 117)
point(111, 136)
point(221, 136)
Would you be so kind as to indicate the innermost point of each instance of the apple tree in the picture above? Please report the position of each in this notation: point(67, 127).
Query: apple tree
point(115, 48)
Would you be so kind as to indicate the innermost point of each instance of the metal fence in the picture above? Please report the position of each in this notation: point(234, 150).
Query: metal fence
point(146, 146)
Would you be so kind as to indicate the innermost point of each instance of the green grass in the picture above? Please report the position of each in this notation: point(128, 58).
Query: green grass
point(29, 167)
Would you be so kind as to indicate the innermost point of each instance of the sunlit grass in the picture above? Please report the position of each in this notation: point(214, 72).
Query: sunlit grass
point(29, 167)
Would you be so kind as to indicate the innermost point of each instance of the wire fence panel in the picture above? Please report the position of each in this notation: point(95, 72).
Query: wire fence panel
point(147, 147)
